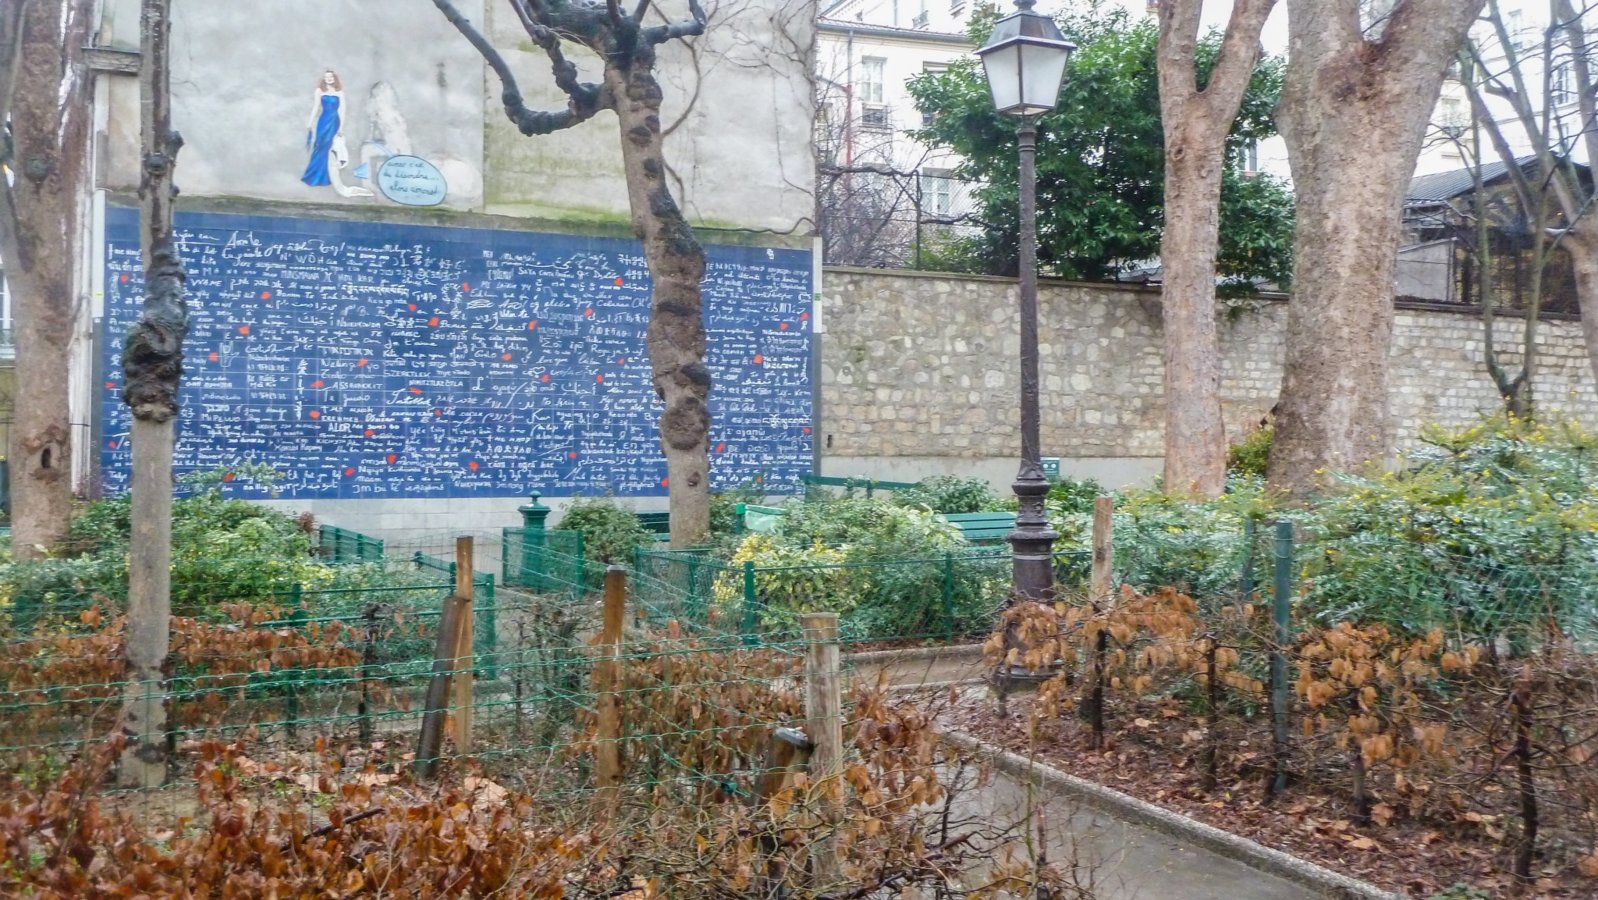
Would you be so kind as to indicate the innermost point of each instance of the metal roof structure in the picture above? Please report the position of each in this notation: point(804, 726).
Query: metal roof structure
point(1442, 187)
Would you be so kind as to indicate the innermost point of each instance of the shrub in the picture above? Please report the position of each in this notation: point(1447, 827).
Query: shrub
point(1489, 531)
point(888, 570)
point(948, 494)
point(609, 532)
point(1074, 495)
point(223, 551)
point(1248, 456)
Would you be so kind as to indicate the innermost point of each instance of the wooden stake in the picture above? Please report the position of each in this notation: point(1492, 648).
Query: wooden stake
point(608, 684)
point(824, 712)
point(431, 742)
point(1103, 586)
point(462, 683)
point(1102, 595)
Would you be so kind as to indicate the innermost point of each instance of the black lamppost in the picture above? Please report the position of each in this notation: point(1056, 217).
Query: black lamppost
point(1024, 60)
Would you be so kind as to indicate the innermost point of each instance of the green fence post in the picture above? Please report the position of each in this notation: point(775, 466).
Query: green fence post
point(488, 612)
point(579, 583)
point(1281, 615)
point(535, 518)
point(694, 610)
point(738, 524)
point(1245, 582)
point(292, 676)
point(750, 638)
point(948, 596)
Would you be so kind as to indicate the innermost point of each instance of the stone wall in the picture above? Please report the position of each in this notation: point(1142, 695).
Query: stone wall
point(919, 373)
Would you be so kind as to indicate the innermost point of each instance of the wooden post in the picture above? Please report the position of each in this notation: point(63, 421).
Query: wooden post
point(461, 685)
point(1102, 592)
point(431, 743)
point(824, 715)
point(608, 684)
point(1103, 549)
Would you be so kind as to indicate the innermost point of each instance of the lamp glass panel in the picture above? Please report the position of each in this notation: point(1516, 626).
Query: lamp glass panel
point(1003, 68)
point(1044, 68)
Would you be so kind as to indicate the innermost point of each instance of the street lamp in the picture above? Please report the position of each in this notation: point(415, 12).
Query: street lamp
point(1024, 60)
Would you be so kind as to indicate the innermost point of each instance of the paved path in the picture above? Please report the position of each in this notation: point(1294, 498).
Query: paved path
point(1121, 859)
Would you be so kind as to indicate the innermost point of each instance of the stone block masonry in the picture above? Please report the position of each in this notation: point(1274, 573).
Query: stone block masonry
point(923, 367)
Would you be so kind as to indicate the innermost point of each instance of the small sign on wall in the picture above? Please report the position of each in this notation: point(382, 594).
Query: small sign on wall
point(412, 181)
point(1051, 467)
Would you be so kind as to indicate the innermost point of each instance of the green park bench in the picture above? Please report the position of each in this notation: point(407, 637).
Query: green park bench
point(656, 523)
point(983, 527)
point(869, 485)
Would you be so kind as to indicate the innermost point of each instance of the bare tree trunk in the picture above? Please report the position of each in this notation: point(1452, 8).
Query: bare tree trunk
point(1195, 433)
point(1196, 122)
point(45, 84)
point(676, 335)
point(153, 364)
point(1353, 113)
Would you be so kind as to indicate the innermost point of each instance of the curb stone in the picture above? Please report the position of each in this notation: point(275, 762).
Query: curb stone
point(1208, 837)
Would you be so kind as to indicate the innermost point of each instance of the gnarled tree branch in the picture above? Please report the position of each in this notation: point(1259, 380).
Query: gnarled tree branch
point(585, 99)
point(660, 34)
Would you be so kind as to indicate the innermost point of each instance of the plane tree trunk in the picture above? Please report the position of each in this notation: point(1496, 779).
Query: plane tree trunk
point(45, 87)
point(1353, 112)
point(1196, 122)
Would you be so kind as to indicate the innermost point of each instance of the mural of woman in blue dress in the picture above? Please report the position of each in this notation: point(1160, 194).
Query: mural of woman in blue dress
point(324, 136)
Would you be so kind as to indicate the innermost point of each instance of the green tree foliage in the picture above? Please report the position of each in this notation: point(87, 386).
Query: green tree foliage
point(1101, 160)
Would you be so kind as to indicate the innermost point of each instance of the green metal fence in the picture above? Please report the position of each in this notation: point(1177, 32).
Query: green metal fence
point(341, 545)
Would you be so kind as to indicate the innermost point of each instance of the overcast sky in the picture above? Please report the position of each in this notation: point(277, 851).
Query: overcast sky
point(1215, 12)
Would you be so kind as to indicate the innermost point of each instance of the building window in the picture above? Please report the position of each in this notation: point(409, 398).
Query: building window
point(871, 80)
point(1515, 24)
point(937, 191)
point(875, 117)
point(1451, 119)
point(1562, 84)
point(931, 68)
point(956, 8)
point(1248, 160)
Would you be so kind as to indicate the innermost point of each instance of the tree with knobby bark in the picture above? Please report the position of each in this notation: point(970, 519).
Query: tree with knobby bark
point(1197, 117)
point(1354, 107)
point(627, 41)
point(45, 92)
point(153, 365)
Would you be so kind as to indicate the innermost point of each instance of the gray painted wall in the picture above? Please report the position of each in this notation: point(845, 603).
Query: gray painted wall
point(244, 84)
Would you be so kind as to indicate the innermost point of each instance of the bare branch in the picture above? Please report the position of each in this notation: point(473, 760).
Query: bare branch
point(585, 98)
point(660, 34)
point(1570, 21)
point(640, 12)
point(613, 12)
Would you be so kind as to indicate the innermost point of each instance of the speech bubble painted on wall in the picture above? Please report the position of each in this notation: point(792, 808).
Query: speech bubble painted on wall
point(412, 181)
